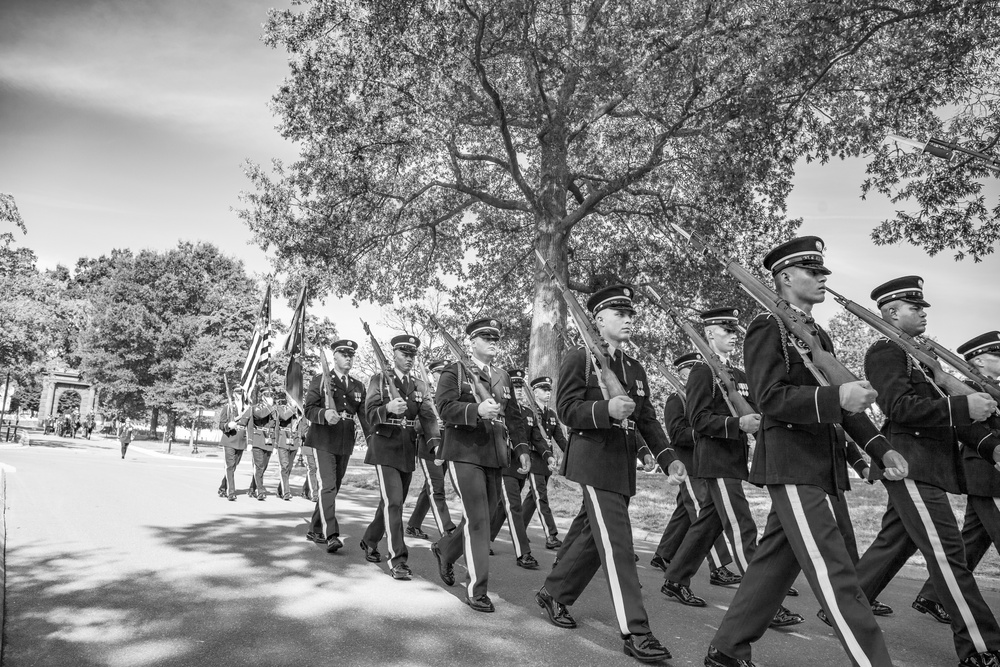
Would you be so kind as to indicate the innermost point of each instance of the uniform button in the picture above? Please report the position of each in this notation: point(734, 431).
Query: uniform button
point(788, 425)
point(916, 433)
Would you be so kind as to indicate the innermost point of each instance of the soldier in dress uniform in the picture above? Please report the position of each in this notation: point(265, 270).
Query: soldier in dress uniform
point(262, 441)
point(432, 495)
point(331, 435)
point(721, 459)
point(802, 463)
point(601, 457)
point(287, 444)
point(543, 462)
point(693, 494)
point(926, 425)
point(982, 513)
point(508, 509)
point(307, 456)
point(475, 444)
point(392, 449)
point(233, 441)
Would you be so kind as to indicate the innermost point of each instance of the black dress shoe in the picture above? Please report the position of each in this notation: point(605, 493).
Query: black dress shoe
point(556, 611)
point(415, 531)
point(723, 576)
point(481, 603)
point(646, 648)
point(881, 608)
point(783, 618)
point(318, 538)
point(937, 612)
point(286, 496)
point(232, 497)
point(821, 615)
point(682, 594)
point(659, 563)
point(333, 543)
point(987, 659)
point(222, 493)
point(792, 593)
point(445, 570)
point(636, 557)
point(401, 572)
point(371, 553)
point(715, 658)
point(552, 543)
point(528, 562)
point(491, 552)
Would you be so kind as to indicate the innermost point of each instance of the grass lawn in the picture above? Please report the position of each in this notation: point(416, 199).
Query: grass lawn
point(655, 500)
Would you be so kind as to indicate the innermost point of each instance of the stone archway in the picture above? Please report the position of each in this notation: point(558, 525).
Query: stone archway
point(56, 382)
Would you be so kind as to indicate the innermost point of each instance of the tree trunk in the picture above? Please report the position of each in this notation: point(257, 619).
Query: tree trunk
point(154, 421)
point(548, 308)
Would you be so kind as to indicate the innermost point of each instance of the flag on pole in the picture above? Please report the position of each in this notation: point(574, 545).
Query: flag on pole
point(260, 348)
point(295, 346)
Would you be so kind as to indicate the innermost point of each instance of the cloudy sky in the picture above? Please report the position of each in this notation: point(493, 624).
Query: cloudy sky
point(123, 123)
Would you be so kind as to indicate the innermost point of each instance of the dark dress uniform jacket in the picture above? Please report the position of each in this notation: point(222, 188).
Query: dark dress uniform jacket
point(601, 454)
point(540, 448)
point(797, 442)
point(263, 426)
point(237, 437)
point(335, 438)
point(720, 447)
point(466, 437)
point(981, 478)
point(515, 462)
point(920, 423)
point(395, 445)
point(679, 430)
point(283, 436)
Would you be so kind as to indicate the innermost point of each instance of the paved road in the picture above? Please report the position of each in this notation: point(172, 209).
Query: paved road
point(138, 563)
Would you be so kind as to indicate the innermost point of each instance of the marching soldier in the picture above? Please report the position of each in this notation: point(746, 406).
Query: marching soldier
point(601, 457)
point(721, 459)
point(233, 441)
point(287, 444)
point(925, 425)
point(982, 515)
point(307, 457)
point(475, 444)
point(801, 462)
point(331, 434)
point(543, 462)
point(432, 495)
point(264, 425)
point(513, 476)
point(393, 449)
point(693, 494)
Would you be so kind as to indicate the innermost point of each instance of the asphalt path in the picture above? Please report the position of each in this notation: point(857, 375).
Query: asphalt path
point(138, 562)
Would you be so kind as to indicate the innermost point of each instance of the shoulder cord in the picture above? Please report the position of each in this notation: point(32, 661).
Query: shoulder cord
point(785, 336)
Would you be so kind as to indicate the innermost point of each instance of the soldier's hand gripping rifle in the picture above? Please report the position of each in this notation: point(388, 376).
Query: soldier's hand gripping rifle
point(331, 404)
point(924, 351)
point(738, 405)
point(611, 386)
point(383, 362)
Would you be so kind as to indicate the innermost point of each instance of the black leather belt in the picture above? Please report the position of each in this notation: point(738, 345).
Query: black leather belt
point(405, 423)
point(625, 424)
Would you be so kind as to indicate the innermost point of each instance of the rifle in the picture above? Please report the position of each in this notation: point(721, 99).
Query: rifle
point(536, 410)
point(382, 362)
point(991, 386)
point(738, 405)
point(916, 349)
point(229, 397)
point(425, 376)
point(672, 379)
point(611, 386)
point(331, 404)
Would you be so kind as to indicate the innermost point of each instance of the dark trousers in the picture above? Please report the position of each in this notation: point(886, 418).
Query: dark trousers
point(737, 520)
point(432, 497)
point(124, 448)
point(980, 530)
point(509, 510)
point(286, 459)
point(701, 537)
point(330, 471)
point(919, 516)
point(691, 498)
point(233, 458)
point(802, 534)
point(479, 491)
point(393, 485)
point(311, 486)
point(260, 460)
point(538, 498)
point(601, 538)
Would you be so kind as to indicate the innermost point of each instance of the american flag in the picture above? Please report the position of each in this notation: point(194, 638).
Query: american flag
point(260, 348)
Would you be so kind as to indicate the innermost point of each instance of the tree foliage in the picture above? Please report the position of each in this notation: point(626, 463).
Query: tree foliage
point(442, 143)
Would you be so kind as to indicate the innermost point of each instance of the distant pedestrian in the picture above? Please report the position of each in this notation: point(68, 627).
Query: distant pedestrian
point(88, 425)
point(125, 435)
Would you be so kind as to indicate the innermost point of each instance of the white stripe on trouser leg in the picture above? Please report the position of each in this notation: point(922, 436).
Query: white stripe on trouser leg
point(946, 572)
point(430, 496)
point(851, 642)
point(319, 498)
point(508, 510)
point(385, 515)
point(549, 530)
point(734, 526)
point(617, 597)
point(470, 562)
point(697, 512)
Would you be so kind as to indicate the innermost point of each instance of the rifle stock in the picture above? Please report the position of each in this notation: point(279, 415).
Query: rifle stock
point(611, 386)
point(382, 361)
point(989, 385)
